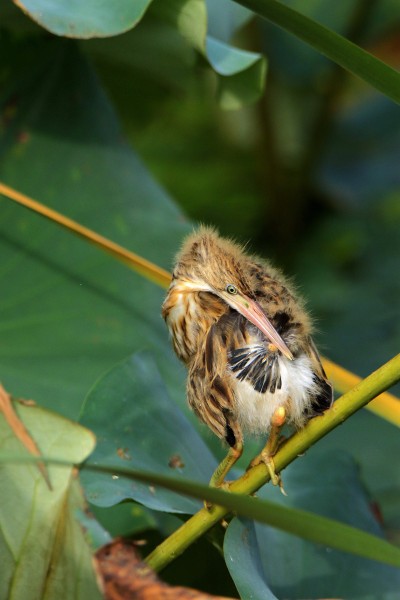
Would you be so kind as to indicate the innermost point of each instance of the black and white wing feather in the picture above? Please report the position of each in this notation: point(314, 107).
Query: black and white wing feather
point(258, 366)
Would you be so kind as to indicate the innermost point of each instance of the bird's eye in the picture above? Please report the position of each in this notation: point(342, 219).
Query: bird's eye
point(230, 288)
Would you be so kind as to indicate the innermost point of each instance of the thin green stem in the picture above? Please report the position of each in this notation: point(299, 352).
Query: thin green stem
point(252, 480)
point(332, 45)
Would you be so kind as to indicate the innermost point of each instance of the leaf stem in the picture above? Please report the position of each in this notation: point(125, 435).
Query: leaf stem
point(134, 261)
point(332, 45)
point(252, 480)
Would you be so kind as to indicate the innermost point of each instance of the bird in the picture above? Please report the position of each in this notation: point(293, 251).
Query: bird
point(245, 338)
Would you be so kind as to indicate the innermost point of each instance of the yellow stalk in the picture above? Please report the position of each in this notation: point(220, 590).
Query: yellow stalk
point(139, 264)
point(386, 405)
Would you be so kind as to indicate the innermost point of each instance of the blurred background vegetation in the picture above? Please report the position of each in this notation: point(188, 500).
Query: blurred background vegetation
point(308, 175)
point(305, 171)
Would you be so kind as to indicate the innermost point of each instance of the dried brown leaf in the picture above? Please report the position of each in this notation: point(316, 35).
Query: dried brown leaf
point(125, 577)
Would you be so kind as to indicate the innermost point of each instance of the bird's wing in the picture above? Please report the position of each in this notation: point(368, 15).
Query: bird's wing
point(324, 398)
point(208, 390)
point(256, 365)
point(236, 343)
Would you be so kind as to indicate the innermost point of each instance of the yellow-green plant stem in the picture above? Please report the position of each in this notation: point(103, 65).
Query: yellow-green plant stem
point(385, 405)
point(252, 480)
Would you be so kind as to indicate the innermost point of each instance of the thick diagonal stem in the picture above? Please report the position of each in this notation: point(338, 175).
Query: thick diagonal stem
point(252, 480)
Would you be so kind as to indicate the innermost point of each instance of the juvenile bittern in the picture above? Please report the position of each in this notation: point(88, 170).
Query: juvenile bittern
point(245, 339)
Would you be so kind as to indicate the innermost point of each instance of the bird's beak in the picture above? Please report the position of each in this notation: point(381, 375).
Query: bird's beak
point(252, 311)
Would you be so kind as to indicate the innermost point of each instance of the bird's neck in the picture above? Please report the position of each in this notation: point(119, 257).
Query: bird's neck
point(189, 314)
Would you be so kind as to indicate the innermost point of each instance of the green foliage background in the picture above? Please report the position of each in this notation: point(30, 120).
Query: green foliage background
point(126, 130)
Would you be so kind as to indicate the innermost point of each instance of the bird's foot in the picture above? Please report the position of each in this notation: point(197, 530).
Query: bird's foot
point(265, 458)
point(274, 442)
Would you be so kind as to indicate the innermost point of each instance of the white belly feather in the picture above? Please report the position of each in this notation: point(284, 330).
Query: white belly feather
point(255, 410)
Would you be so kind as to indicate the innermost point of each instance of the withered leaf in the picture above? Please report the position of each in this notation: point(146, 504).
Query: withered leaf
point(125, 576)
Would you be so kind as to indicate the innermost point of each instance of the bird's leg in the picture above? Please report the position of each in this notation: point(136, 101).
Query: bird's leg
point(234, 453)
point(277, 421)
point(218, 477)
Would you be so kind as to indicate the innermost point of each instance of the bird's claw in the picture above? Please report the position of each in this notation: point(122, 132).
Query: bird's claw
point(267, 460)
point(276, 479)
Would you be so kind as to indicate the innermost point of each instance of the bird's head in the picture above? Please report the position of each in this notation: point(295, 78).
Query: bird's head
point(209, 263)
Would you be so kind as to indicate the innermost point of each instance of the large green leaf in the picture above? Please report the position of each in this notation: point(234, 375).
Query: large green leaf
point(85, 19)
point(43, 553)
point(69, 312)
point(330, 44)
point(334, 491)
point(137, 425)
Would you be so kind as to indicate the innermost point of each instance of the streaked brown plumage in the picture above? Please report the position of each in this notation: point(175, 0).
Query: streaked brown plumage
point(245, 338)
